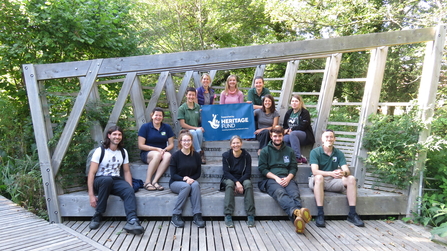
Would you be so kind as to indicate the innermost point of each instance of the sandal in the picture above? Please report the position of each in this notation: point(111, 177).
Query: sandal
point(149, 187)
point(158, 187)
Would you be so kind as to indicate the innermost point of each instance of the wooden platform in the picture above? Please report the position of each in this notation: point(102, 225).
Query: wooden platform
point(22, 230)
point(266, 235)
point(160, 203)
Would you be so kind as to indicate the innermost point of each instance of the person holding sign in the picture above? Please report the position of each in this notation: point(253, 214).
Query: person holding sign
point(266, 118)
point(205, 94)
point(298, 130)
point(189, 117)
point(231, 94)
point(236, 164)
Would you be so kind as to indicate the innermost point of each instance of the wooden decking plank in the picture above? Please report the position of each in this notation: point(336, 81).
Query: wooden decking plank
point(283, 235)
point(210, 244)
point(334, 242)
point(343, 237)
point(249, 240)
point(420, 243)
point(170, 235)
point(413, 228)
point(178, 236)
point(128, 238)
point(295, 240)
point(280, 239)
point(355, 235)
point(383, 236)
point(117, 238)
point(233, 236)
point(202, 238)
point(318, 236)
point(163, 227)
point(23, 242)
point(257, 237)
point(31, 233)
point(194, 244)
point(217, 234)
point(264, 235)
point(186, 240)
point(108, 231)
point(225, 236)
point(54, 244)
point(372, 234)
point(97, 234)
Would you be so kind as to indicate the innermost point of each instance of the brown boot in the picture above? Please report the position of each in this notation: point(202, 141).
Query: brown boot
point(202, 156)
point(304, 213)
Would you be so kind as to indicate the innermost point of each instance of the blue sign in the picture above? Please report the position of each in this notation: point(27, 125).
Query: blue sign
point(221, 122)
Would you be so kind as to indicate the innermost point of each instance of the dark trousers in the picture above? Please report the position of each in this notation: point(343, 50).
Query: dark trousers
point(103, 186)
point(264, 138)
point(287, 197)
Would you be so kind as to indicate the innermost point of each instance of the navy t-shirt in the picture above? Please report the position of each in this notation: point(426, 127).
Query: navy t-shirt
point(154, 137)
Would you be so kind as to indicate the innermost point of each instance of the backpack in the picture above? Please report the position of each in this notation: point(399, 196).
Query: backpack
point(101, 157)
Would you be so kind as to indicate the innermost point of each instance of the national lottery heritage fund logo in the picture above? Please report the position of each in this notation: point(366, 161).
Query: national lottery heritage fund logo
point(227, 123)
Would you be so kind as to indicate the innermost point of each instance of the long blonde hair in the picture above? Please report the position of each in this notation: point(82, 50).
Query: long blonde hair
point(227, 88)
point(301, 106)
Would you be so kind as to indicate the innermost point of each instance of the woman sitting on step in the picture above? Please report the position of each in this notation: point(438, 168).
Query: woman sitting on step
point(155, 140)
point(186, 168)
point(267, 117)
point(297, 129)
point(236, 164)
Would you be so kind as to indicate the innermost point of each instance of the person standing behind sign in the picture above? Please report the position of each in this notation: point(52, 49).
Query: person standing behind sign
point(205, 94)
point(266, 118)
point(298, 130)
point(155, 140)
point(236, 165)
point(256, 95)
point(185, 169)
point(189, 117)
point(231, 94)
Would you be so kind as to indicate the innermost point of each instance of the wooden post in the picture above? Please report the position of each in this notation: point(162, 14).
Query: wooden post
point(156, 94)
point(259, 72)
point(287, 87)
point(370, 103)
point(96, 131)
point(326, 95)
point(173, 105)
point(137, 97)
point(426, 102)
point(183, 86)
point(41, 136)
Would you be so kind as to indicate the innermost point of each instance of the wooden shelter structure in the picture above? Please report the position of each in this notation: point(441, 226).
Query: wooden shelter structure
point(131, 69)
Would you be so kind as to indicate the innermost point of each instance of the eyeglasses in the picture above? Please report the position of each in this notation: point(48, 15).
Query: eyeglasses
point(186, 141)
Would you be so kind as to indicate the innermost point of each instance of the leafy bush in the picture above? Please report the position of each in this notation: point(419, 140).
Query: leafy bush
point(392, 143)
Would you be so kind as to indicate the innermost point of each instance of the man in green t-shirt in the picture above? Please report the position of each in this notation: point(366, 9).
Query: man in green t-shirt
point(331, 173)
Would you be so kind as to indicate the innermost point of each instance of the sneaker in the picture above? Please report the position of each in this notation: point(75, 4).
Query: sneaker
point(299, 224)
point(355, 219)
point(304, 213)
point(229, 221)
point(177, 221)
point(319, 221)
point(298, 161)
point(202, 156)
point(133, 226)
point(197, 219)
point(303, 159)
point(96, 221)
point(250, 221)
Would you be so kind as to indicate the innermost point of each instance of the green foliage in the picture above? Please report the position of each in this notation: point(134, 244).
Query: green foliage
point(21, 182)
point(433, 213)
point(392, 143)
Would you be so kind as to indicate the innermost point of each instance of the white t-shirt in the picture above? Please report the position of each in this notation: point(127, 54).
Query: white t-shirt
point(110, 165)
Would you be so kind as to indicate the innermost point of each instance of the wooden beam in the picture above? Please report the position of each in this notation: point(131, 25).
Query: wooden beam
point(326, 95)
point(370, 104)
point(121, 101)
point(287, 87)
point(235, 57)
point(75, 115)
point(426, 102)
point(182, 89)
point(96, 131)
point(45, 109)
point(173, 105)
point(136, 95)
point(259, 72)
point(37, 115)
point(156, 94)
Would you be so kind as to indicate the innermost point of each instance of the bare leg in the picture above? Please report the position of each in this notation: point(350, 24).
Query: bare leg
point(351, 189)
point(162, 167)
point(319, 189)
point(153, 158)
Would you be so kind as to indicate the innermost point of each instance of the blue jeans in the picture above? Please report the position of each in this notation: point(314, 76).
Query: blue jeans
point(197, 139)
point(184, 190)
point(103, 186)
point(294, 140)
point(287, 197)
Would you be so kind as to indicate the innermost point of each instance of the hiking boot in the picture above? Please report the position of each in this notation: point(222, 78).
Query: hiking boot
point(299, 224)
point(202, 156)
point(250, 221)
point(319, 221)
point(133, 226)
point(228, 221)
point(197, 219)
point(177, 221)
point(96, 221)
point(304, 213)
point(355, 219)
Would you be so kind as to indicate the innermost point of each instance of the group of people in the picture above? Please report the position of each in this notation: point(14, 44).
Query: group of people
point(279, 153)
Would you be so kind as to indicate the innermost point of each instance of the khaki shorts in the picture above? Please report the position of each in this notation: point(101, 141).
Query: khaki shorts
point(330, 184)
